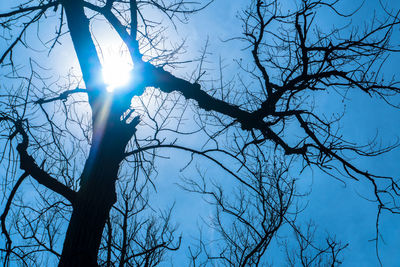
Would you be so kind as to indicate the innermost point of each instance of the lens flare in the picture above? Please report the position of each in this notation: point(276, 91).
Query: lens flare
point(116, 74)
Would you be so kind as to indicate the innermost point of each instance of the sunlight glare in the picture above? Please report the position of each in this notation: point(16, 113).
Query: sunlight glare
point(116, 73)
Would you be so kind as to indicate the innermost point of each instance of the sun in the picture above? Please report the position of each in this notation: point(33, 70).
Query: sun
point(116, 73)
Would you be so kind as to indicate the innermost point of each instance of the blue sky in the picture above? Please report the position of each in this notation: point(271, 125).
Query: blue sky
point(335, 208)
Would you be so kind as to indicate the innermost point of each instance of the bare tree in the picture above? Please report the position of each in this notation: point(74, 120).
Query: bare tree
point(50, 127)
point(258, 212)
point(308, 254)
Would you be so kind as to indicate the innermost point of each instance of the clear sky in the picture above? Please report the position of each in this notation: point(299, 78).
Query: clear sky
point(342, 210)
point(336, 208)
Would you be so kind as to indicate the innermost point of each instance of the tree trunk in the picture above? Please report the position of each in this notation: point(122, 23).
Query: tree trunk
point(86, 226)
point(110, 137)
point(97, 193)
point(90, 213)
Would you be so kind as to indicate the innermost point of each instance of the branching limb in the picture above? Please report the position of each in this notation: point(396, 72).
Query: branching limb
point(63, 96)
point(85, 48)
point(28, 164)
point(21, 10)
point(5, 212)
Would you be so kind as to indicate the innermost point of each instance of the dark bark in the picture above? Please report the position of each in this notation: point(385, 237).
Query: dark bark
point(88, 219)
point(78, 25)
point(110, 137)
point(97, 193)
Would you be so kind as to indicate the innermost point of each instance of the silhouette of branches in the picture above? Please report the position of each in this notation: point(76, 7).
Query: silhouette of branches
point(99, 150)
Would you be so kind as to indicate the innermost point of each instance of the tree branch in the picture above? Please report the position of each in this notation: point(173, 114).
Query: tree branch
point(28, 164)
point(85, 48)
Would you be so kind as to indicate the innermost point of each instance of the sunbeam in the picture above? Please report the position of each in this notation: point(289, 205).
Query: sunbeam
point(116, 73)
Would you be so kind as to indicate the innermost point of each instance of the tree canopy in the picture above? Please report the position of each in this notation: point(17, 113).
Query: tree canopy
point(82, 158)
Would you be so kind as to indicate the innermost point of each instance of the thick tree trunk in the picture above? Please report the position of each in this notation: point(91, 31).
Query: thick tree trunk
point(91, 210)
point(110, 137)
point(97, 193)
point(88, 218)
point(85, 230)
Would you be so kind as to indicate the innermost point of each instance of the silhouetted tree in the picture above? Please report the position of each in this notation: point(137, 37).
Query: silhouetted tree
point(49, 128)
